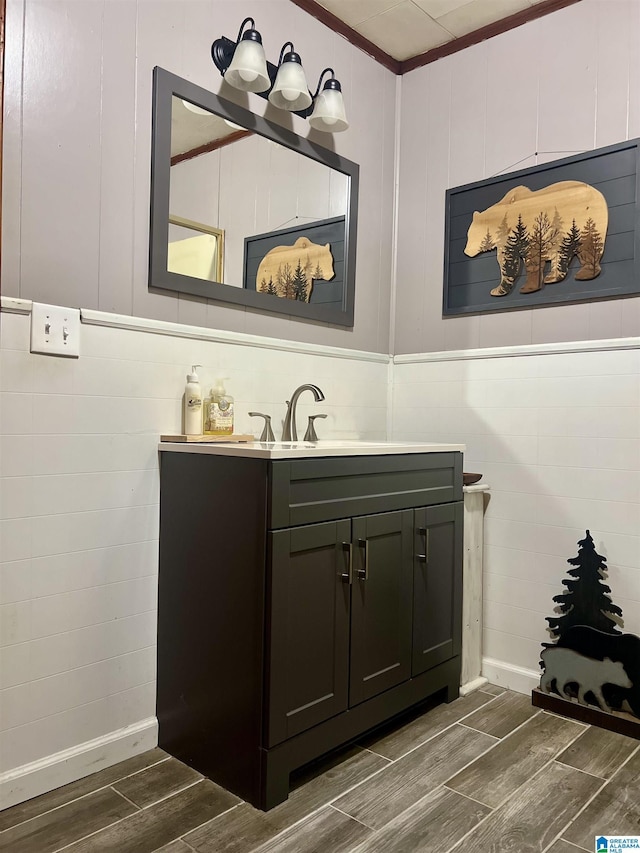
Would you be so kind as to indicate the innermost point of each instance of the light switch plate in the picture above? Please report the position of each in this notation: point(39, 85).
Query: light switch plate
point(55, 330)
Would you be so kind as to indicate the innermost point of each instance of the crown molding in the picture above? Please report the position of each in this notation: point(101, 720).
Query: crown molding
point(484, 33)
point(337, 26)
point(312, 7)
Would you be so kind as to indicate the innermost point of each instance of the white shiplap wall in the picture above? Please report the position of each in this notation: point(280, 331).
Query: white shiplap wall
point(556, 434)
point(557, 437)
point(79, 493)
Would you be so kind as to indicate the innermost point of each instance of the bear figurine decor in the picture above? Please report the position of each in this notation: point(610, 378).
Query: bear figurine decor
point(592, 670)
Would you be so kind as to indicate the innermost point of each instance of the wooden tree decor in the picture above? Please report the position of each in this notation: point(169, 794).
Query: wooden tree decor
point(562, 231)
point(551, 225)
point(301, 266)
point(592, 660)
point(290, 271)
point(587, 600)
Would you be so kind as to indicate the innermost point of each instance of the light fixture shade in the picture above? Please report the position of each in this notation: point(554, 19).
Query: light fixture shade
point(328, 112)
point(290, 90)
point(194, 108)
point(248, 68)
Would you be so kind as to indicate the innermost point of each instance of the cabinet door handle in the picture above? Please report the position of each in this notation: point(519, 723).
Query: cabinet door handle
point(364, 572)
point(348, 575)
point(424, 558)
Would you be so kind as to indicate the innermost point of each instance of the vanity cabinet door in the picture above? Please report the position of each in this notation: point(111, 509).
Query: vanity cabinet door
point(308, 595)
point(437, 586)
point(381, 603)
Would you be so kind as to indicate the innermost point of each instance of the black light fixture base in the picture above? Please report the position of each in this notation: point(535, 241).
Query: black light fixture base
point(222, 51)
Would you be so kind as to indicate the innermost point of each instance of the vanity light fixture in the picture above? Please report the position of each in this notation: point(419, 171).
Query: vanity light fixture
point(246, 68)
point(243, 65)
point(290, 90)
point(328, 106)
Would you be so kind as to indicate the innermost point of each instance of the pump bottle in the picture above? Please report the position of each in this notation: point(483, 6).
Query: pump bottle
point(218, 411)
point(193, 404)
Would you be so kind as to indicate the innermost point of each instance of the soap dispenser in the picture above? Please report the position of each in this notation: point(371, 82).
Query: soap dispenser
point(193, 404)
point(218, 413)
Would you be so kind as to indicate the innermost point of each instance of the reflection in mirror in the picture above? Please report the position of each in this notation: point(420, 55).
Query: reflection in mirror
point(195, 249)
point(243, 184)
point(227, 186)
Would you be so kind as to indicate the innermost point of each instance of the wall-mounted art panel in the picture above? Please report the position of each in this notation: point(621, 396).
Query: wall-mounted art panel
point(303, 264)
point(567, 231)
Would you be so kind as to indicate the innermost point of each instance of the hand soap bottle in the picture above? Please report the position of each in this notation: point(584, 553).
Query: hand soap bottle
point(218, 411)
point(193, 404)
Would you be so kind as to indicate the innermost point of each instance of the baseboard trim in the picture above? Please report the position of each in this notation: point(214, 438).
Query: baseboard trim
point(510, 676)
point(473, 685)
point(30, 780)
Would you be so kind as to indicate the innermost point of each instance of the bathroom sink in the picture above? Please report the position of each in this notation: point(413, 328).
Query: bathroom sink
point(308, 449)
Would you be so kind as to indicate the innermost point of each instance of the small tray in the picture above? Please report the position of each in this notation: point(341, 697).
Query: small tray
point(209, 438)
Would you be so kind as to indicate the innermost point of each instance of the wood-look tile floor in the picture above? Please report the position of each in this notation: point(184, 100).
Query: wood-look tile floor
point(487, 773)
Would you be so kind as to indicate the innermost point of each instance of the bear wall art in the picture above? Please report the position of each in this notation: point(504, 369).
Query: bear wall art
point(561, 232)
point(303, 263)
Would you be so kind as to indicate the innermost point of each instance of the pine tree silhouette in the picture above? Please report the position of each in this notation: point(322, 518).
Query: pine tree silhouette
point(285, 281)
point(590, 251)
point(569, 247)
point(541, 240)
point(587, 600)
point(515, 249)
point(521, 237)
point(557, 224)
point(271, 288)
point(299, 283)
point(487, 243)
point(503, 232)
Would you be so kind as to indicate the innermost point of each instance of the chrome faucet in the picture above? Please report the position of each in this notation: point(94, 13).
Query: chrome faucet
point(289, 431)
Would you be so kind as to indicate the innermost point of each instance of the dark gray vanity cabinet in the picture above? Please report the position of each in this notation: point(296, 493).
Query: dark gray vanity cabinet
point(302, 602)
point(340, 608)
point(308, 608)
point(437, 616)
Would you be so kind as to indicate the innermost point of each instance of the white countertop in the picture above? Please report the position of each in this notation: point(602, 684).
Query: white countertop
point(309, 450)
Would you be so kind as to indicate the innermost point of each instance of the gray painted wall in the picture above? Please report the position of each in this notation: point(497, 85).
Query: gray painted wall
point(77, 152)
point(77, 146)
point(566, 83)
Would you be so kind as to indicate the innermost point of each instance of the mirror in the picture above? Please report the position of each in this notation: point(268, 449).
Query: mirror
point(244, 211)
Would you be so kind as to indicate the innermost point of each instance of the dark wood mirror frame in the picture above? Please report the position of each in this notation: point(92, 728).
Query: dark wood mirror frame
point(165, 86)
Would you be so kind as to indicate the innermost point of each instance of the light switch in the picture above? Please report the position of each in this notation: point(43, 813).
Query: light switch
point(55, 330)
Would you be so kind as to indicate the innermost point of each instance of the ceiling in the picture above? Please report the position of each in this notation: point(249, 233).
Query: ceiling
point(191, 129)
point(404, 29)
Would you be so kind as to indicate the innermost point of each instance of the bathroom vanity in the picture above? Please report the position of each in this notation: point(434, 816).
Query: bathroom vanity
point(307, 594)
